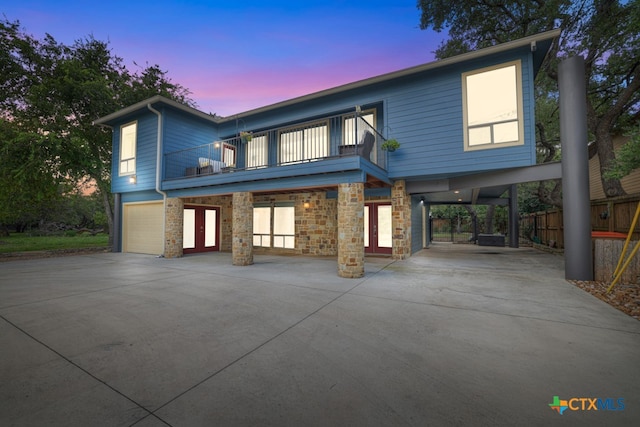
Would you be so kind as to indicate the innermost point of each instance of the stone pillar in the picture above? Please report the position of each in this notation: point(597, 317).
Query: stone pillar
point(173, 227)
point(242, 244)
point(351, 230)
point(401, 220)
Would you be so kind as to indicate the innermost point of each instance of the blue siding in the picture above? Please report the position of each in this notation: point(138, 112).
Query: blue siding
point(145, 156)
point(183, 131)
point(423, 111)
point(426, 117)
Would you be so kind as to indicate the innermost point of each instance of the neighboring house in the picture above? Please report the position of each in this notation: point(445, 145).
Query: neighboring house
point(309, 175)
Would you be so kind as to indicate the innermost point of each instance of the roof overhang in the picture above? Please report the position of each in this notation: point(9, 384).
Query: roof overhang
point(155, 101)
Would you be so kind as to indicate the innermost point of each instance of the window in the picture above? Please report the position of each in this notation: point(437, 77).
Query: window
point(128, 148)
point(492, 107)
point(349, 130)
point(229, 154)
point(305, 143)
point(257, 152)
point(274, 226)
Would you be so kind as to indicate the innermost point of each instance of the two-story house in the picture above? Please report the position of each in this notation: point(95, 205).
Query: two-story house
point(311, 175)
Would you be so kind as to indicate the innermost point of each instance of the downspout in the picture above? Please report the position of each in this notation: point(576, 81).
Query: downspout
point(158, 172)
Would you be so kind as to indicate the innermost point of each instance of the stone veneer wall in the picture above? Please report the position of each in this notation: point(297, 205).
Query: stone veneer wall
point(401, 220)
point(226, 215)
point(173, 226)
point(351, 230)
point(316, 226)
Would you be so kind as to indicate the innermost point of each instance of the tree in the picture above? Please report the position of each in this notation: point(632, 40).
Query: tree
point(628, 158)
point(605, 32)
point(50, 94)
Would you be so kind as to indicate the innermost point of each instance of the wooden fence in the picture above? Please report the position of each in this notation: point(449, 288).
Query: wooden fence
point(612, 215)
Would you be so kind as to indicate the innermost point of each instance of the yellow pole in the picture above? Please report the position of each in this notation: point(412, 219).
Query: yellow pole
point(626, 243)
point(624, 267)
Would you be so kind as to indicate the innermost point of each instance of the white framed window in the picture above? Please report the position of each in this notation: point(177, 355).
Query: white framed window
point(351, 135)
point(274, 226)
point(229, 155)
point(128, 136)
point(307, 142)
point(258, 151)
point(492, 107)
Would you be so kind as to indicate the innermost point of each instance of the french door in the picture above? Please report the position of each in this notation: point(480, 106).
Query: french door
point(377, 228)
point(201, 231)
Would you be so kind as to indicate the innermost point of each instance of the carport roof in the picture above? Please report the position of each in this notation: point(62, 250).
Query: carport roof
point(481, 188)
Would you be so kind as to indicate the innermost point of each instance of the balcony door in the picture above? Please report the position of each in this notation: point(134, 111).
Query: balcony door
point(201, 230)
point(377, 228)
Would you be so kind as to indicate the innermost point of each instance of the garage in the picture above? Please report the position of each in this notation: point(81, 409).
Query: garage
point(143, 228)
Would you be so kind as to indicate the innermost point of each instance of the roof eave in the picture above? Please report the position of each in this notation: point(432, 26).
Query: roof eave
point(157, 99)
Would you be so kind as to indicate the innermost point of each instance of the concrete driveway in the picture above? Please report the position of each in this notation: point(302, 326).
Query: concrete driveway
point(456, 335)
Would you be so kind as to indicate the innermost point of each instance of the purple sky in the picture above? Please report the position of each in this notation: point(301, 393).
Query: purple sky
point(238, 55)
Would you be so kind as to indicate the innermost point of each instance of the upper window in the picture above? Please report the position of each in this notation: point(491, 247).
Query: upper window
point(257, 151)
point(128, 148)
point(492, 107)
point(353, 135)
point(229, 155)
point(308, 142)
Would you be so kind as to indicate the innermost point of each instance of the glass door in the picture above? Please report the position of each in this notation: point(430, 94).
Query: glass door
point(201, 229)
point(378, 229)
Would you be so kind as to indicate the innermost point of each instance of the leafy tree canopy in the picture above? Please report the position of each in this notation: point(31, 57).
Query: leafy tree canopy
point(50, 94)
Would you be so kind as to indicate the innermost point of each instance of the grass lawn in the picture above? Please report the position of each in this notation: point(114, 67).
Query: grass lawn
point(19, 242)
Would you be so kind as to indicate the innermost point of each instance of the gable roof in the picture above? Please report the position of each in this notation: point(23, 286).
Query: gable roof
point(538, 43)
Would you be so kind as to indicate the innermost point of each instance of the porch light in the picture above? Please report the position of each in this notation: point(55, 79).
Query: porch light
point(132, 179)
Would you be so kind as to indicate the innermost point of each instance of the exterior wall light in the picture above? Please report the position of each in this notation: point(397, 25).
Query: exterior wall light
point(306, 205)
point(132, 179)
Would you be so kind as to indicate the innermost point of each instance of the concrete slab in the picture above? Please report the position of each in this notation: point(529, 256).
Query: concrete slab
point(455, 335)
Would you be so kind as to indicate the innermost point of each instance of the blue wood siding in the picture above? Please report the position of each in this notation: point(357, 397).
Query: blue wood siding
point(422, 110)
point(145, 156)
point(185, 131)
point(426, 117)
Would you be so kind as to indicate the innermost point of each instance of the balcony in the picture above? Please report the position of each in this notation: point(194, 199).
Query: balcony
point(301, 144)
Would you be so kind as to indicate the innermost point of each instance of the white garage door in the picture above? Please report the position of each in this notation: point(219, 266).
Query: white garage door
point(142, 228)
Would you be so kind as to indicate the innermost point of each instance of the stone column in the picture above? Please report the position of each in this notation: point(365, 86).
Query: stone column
point(401, 220)
point(173, 227)
point(242, 244)
point(351, 230)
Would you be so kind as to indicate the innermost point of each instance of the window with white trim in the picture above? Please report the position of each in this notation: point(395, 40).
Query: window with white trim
point(492, 107)
point(349, 127)
point(274, 226)
point(229, 155)
point(308, 142)
point(257, 151)
point(127, 162)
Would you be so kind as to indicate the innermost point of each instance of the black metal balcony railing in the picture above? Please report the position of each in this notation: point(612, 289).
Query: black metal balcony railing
point(331, 137)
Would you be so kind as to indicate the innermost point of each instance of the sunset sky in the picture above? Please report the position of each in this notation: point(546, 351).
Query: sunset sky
point(238, 55)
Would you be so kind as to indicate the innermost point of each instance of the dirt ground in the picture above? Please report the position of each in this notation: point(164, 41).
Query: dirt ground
point(624, 297)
